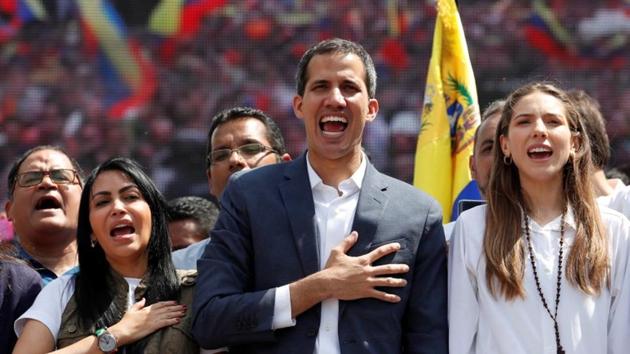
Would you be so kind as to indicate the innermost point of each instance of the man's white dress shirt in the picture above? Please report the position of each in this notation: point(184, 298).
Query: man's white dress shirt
point(334, 213)
point(618, 200)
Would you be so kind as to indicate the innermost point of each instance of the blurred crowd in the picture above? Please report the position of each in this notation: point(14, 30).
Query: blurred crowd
point(245, 53)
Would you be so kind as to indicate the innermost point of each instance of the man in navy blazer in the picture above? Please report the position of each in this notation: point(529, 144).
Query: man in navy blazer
point(325, 254)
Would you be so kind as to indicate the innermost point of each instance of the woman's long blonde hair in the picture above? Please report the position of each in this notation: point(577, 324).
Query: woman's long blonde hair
point(587, 265)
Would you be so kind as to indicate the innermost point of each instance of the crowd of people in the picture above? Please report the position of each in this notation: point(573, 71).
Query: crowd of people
point(322, 246)
point(51, 90)
point(322, 252)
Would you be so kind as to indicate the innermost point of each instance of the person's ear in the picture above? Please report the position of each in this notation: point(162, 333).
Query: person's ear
point(285, 157)
point(209, 177)
point(297, 106)
point(505, 147)
point(576, 141)
point(7, 209)
point(372, 109)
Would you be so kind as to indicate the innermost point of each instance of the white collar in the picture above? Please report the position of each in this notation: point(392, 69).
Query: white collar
point(569, 220)
point(357, 176)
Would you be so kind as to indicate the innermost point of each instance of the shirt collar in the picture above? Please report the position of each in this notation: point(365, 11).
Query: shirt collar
point(357, 176)
point(25, 256)
point(569, 220)
point(46, 274)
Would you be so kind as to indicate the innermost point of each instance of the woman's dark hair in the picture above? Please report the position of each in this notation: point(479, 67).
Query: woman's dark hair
point(587, 264)
point(95, 291)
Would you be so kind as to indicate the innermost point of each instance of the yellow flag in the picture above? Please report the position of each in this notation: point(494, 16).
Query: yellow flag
point(450, 115)
point(166, 16)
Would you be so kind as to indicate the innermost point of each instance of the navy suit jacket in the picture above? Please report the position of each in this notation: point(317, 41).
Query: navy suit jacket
point(265, 237)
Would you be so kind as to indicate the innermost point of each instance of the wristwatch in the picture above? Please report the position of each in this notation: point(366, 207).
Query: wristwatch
point(106, 341)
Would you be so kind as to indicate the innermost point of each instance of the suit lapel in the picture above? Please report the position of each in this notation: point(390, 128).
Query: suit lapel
point(298, 201)
point(372, 201)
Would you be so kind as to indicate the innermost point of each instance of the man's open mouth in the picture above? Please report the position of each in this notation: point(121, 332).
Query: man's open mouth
point(47, 202)
point(333, 124)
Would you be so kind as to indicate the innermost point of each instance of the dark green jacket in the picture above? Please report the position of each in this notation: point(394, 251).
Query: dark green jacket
point(172, 339)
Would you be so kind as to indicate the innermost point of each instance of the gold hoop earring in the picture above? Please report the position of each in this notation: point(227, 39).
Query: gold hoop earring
point(507, 160)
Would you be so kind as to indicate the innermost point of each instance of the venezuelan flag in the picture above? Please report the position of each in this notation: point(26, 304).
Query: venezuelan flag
point(544, 32)
point(177, 20)
point(29, 10)
point(181, 18)
point(166, 17)
point(15, 13)
point(450, 116)
point(129, 77)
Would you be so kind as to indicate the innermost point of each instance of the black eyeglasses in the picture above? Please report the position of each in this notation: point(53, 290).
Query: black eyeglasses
point(57, 176)
point(247, 151)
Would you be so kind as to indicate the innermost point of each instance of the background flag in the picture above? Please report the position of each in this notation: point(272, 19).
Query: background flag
point(450, 116)
point(129, 76)
point(29, 10)
point(15, 13)
point(178, 20)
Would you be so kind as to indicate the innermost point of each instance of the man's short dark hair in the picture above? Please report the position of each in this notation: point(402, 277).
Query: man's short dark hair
point(334, 46)
point(15, 167)
point(594, 125)
point(493, 108)
point(203, 211)
point(274, 135)
point(620, 172)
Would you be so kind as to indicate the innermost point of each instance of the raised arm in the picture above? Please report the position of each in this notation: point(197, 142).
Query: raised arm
point(138, 322)
point(348, 278)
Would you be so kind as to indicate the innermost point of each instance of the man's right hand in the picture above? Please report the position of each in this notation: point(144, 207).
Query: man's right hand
point(348, 278)
point(351, 278)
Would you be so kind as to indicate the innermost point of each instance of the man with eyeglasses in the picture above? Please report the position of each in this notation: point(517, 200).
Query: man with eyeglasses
point(239, 139)
point(44, 193)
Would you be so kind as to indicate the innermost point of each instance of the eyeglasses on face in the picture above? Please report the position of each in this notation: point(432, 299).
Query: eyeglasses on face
point(57, 176)
point(246, 151)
